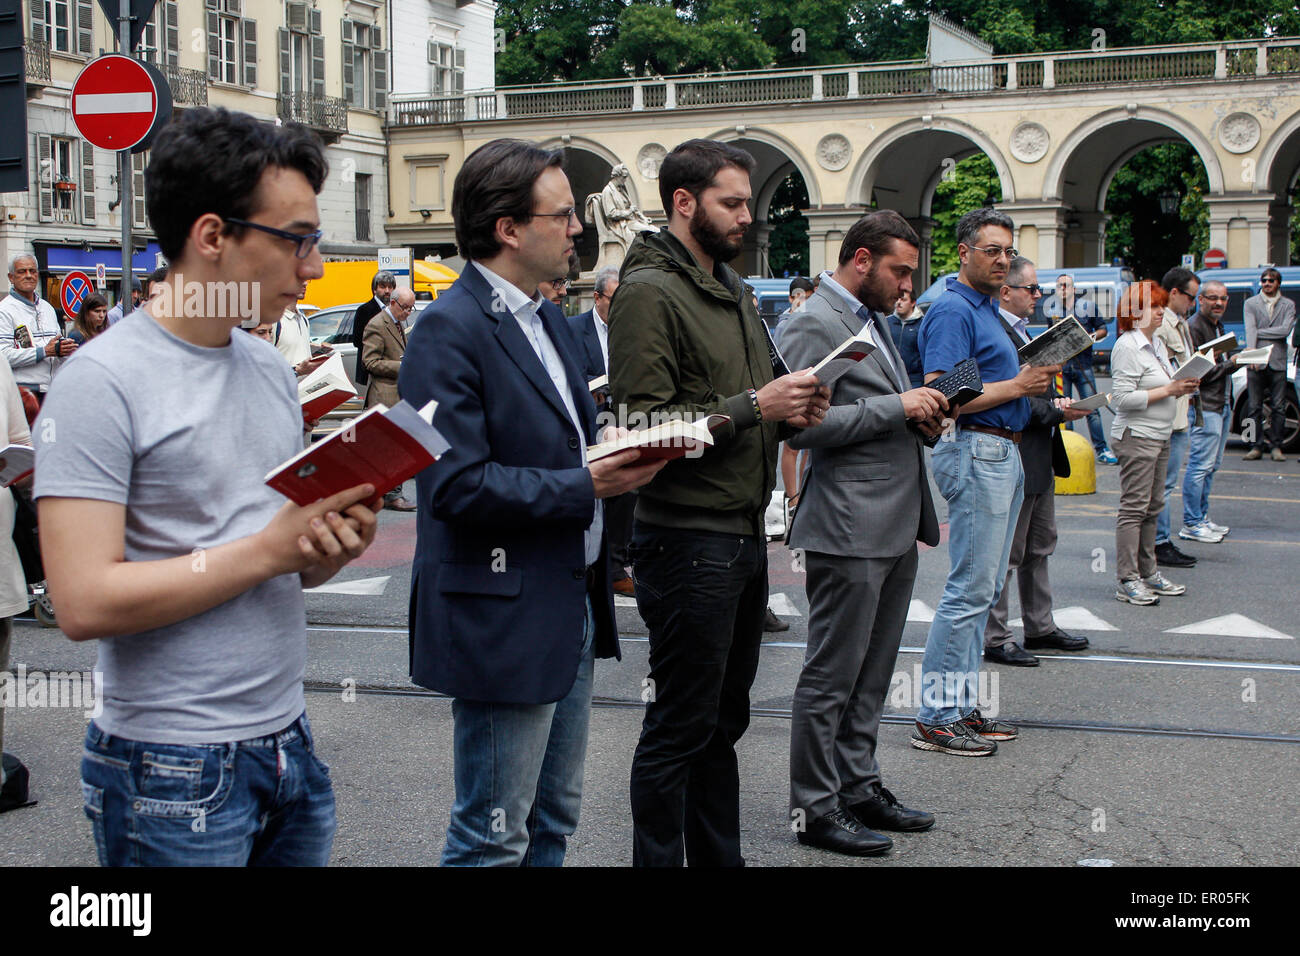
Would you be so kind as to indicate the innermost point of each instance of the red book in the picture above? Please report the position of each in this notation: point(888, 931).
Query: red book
point(383, 446)
point(325, 389)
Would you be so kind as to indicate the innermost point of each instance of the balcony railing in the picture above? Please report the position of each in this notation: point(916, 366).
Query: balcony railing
point(189, 87)
point(327, 115)
point(37, 55)
point(1181, 63)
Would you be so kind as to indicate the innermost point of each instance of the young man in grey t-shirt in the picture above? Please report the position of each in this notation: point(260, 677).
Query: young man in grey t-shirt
point(160, 538)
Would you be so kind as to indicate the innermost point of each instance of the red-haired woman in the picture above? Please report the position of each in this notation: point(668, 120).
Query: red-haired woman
point(1144, 396)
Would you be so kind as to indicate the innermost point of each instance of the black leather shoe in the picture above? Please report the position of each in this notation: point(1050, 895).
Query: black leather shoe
point(1170, 557)
point(1057, 639)
point(772, 623)
point(883, 812)
point(1010, 653)
point(841, 832)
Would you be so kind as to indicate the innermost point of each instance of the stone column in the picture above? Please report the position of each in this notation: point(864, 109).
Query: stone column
point(1090, 237)
point(1279, 233)
point(826, 229)
point(922, 278)
point(1040, 231)
point(1239, 225)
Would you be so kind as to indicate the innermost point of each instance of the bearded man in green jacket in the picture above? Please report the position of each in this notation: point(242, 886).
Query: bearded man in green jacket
point(684, 341)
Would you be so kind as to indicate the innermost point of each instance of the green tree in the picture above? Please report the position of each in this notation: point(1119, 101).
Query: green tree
point(1148, 240)
point(788, 243)
point(973, 183)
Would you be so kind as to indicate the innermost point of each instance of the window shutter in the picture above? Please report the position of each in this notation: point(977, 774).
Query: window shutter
point(286, 78)
point(44, 177)
point(459, 72)
point(349, 32)
point(171, 40)
point(313, 21)
point(248, 33)
point(88, 182)
point(347, 66)
point(38, 20)
point(214, 43)
point(431, 51)
point(379, 69)
point(376, 38)
point(317, 65)
point(296, 16)
point(139, 216)
point(85, 27)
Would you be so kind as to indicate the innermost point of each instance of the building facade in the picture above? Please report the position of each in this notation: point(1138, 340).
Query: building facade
point(327, 64)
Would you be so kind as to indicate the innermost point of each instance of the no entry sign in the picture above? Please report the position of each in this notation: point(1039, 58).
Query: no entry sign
point(118, 102)
point(1215, 259)
point(73, 291)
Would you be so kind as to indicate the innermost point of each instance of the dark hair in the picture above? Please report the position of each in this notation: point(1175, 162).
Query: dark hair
point(1133, 302)
point(799, 282)
point(94, 301)
point(210, 160)
point(874, 232)
point(383, 278)
point(1273, 273)
point(1177, 278)
point(495, 182)
point(158, 275)
point(693, 165)
point(969, 225)
point(1016, 269)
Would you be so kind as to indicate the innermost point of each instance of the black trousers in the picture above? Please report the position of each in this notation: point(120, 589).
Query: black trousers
point(618, 528)
point(1267, 384)
point(702, 595)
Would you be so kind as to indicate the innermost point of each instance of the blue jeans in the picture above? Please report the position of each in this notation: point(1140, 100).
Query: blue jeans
point(981, 478)
point(1203, 461)
point(519, 775)
point(1084, 381)
point(260, 802)
point(1178, 445)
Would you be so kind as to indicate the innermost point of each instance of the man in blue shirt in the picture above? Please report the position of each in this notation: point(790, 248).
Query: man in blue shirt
point(977, 468)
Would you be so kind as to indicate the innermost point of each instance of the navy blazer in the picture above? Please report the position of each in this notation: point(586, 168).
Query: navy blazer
point(498, 589)
point(584, 327)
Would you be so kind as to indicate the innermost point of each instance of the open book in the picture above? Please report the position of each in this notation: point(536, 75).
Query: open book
point(667, 440)
point(1092, 402)
point(599, 382)
point(1195, 367)
point(325, 389)
point(1224, 343)
point(842, 358)
point(19, 461)
point(1253, 356)
point(383, 446)
point(1056, 346)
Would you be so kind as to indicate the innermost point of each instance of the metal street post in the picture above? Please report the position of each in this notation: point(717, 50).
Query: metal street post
point(124, 178)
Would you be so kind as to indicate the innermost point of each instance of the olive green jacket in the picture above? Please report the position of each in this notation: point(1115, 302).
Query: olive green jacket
point(684, 343)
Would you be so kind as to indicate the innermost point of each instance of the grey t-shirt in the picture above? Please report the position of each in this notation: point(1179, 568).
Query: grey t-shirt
point(182, 436)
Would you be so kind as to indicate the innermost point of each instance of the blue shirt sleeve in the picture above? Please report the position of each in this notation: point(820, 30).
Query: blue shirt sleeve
point(945, 338)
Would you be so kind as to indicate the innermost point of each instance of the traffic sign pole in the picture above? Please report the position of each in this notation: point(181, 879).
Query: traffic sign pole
point(124, 177)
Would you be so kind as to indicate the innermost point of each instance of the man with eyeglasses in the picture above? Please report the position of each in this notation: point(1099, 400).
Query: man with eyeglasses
point(1078, 375)
point(29, 329)
point(1182, 286)
point(1270, 317)
point(1208, 438)
point(382, 348)
point(977, 468)
point(163, 543)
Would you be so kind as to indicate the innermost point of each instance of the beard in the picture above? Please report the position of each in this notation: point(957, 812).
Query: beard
point(873, 292)
point(717, 245)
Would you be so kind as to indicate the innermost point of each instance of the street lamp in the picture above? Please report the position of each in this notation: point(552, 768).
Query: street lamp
point(1168, 200)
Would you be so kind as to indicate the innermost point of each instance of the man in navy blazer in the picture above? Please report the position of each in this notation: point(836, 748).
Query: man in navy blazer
point(592, 329)
point(510, 595)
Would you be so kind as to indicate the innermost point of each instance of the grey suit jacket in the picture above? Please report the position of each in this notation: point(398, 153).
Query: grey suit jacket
point(866, 494)
point(1263, 329)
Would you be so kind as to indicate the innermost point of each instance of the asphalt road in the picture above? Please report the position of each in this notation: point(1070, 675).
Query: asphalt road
point(1174, 739)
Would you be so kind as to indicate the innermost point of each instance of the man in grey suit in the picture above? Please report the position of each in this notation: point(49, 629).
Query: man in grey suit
point(1043, 457)
point(865, 503)
point(1270, 317)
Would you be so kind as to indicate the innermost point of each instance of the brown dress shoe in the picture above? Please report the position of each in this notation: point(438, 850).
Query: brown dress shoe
point(399, 504)
point(624, 586)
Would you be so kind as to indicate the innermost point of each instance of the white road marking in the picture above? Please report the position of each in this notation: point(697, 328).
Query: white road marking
point(1076, 619)
point(623, 600)
point(780, 604)
point(1231, 625)
point(920, 611)
point(360, 586)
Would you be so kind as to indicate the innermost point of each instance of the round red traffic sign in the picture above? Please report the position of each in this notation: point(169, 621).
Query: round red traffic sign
point(1215, 259)
point(73, 291)
point(115, 101)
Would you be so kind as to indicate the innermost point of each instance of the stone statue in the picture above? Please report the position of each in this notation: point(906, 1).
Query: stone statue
point(616, 218)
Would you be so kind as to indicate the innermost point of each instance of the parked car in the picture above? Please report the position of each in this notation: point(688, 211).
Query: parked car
point(773, 297)
point(333, 327)
point(1244, 283)
point(1241, 403)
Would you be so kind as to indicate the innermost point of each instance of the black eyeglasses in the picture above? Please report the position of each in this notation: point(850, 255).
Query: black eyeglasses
point(1035, 289)
point(305, 242)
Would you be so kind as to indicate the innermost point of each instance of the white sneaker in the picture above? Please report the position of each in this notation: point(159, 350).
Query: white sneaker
point(1202, 533)
point(1222, 529)
point(1136, 592)
point(1162, 585)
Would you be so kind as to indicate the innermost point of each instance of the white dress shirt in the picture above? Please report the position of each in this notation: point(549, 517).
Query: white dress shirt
point(524, 310)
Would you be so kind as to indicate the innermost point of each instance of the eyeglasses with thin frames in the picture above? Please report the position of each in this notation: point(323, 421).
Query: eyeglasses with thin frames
point(305, 241)
point(996, 252)
point(569, 214)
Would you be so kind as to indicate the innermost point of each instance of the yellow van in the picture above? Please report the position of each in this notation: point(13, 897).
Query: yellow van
point(349, 282)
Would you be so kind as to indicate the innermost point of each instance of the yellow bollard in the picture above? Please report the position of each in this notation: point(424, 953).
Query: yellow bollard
point(1083, 466)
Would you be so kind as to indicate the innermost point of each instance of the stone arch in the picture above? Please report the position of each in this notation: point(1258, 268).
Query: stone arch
point(1279, 160)
point(793, 156)
point(1058, 165)
point(591, 146)
point(867, 168)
